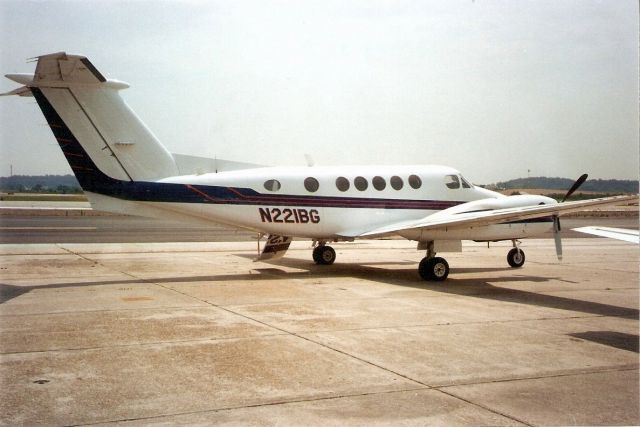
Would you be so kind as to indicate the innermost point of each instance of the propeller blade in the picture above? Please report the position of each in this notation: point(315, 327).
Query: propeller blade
point(575, 186)
point(557, 236)
point(558, 240)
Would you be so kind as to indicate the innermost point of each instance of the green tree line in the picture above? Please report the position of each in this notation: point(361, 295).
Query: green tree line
point(598, 185)
point(48, 184)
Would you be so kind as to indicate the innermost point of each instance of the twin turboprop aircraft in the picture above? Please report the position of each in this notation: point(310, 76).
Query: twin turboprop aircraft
point(122, 167)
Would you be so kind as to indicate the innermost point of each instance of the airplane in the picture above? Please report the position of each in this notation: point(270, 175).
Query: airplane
point(122, 167)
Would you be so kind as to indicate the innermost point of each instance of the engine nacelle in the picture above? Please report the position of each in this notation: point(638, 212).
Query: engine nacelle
point(492, 232)
point(493, 203)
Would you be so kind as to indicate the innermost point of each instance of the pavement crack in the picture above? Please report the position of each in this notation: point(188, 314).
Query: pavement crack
point(577, 372)
point(257, 405)
point(485, 407)
point(79, 255)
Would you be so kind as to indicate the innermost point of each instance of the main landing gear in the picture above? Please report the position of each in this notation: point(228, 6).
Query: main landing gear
point(323, 254)
point(433, 268)
point(436, 269)
point(515, 257)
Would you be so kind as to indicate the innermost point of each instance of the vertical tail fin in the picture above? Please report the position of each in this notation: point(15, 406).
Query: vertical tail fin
point(99, 134)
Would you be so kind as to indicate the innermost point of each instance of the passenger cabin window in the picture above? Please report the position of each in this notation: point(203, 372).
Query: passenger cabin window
point(452, 182)
point(396, 182)
point(360, 183)
point(342, 183)
point(415, 181)
point(379, 183)
point(272, 185)
point(311, 184)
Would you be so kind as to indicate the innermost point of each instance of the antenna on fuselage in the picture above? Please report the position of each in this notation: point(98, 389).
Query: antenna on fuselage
point(309, 160)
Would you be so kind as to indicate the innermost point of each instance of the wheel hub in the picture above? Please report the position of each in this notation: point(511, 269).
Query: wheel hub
point(439, 269)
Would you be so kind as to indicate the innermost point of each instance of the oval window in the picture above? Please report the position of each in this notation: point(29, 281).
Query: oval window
point(378, 183)
point(360, 183)
point(396, 182)
point(415, 181)
point(311, 184)
point(342, 183)
point(272, 185)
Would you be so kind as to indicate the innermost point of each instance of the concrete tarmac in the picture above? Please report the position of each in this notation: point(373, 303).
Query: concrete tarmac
point(197, 333)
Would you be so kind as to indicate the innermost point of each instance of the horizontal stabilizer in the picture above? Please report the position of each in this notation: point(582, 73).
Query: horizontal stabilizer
point(21, 91)
point(60, 67)
point(59, 70)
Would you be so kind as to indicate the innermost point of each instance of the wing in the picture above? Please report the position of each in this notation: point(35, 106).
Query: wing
point(461, 219)
point(625, 234)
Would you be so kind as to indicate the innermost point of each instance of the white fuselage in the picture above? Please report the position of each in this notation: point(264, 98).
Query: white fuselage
point(326, 203)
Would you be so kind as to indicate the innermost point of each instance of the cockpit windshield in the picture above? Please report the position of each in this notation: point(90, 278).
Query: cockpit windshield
point(454, 182)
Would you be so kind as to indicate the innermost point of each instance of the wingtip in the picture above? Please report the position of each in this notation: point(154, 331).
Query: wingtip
point(21, 91)
point(23, 79)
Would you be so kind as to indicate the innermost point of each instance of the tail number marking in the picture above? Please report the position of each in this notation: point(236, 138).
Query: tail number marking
point(289, 215)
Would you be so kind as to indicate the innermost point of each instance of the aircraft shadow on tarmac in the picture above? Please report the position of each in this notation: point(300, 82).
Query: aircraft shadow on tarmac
point(611, 338)
point(473, 287)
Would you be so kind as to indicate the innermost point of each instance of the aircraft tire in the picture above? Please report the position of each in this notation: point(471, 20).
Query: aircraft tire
point(324, 255)
point(316, 254)
point(515, 258)
point(434, 269)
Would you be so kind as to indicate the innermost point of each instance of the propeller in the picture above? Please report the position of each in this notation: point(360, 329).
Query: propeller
point(575, 186)
point(556, 219)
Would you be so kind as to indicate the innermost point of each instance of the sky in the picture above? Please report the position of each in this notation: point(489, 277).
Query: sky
point(496, 89)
